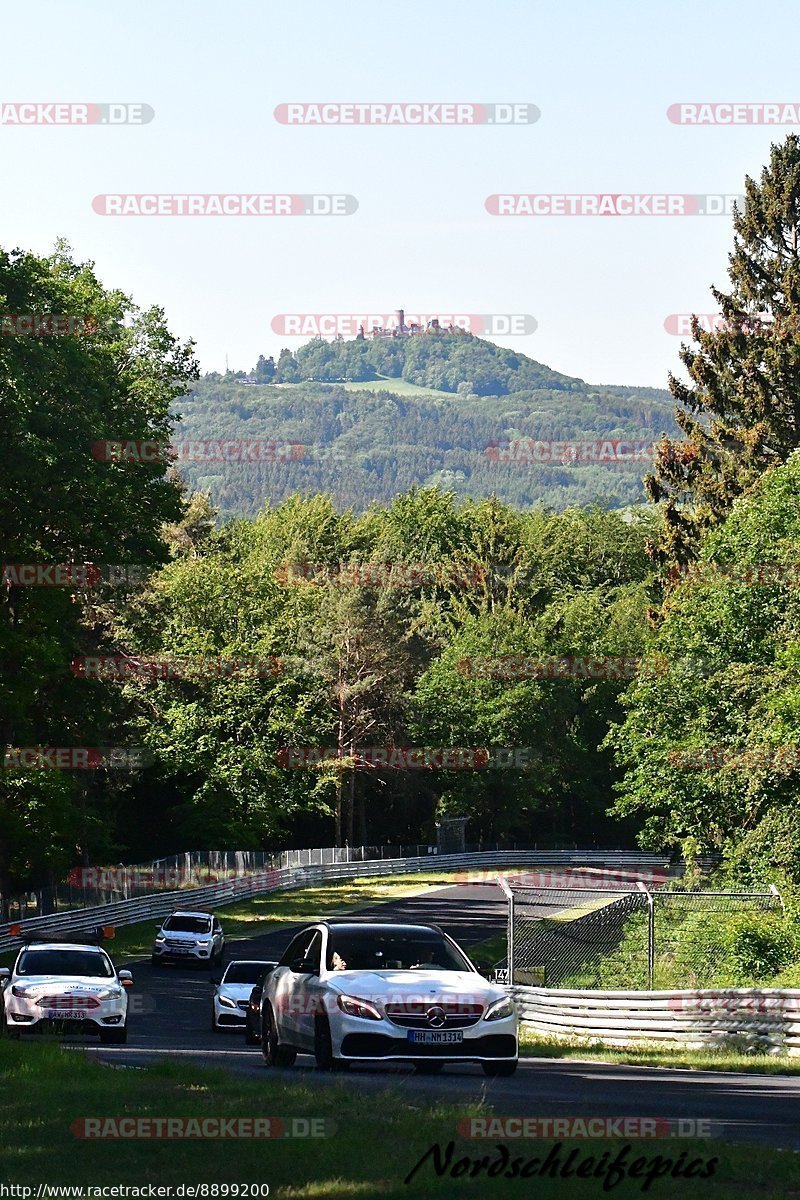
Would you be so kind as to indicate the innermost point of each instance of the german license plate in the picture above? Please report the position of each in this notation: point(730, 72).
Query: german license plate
point(66, 1014)
point(435, 1037)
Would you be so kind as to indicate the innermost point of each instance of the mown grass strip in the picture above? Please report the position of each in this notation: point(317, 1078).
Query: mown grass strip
point(379, 1137)
point(534, 1045)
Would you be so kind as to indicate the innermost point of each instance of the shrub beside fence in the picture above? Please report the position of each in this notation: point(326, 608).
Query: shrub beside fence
point(584, 937)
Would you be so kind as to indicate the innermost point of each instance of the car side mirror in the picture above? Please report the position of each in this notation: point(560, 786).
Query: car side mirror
point(157, 928)
point(126, 979)
point(216, 979)
point(5, 974)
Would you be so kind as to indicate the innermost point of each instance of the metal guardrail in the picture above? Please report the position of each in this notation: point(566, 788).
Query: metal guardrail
point(160, 903)
point(748, 1019)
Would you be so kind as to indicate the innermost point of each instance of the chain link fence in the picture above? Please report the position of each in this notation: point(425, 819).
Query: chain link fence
point(582, 938)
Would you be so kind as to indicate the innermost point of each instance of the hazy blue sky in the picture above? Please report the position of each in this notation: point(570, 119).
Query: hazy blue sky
point(603, 76)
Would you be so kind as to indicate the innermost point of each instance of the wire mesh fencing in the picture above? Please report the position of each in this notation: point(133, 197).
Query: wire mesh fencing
point(592, 938)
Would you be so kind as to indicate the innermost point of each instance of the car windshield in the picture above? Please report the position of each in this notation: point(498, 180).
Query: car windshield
point(177, 924)
point(392, 950)
point(64, 962)
point(246, 972)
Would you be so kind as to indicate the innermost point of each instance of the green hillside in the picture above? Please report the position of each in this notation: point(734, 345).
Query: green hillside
point(367, 443)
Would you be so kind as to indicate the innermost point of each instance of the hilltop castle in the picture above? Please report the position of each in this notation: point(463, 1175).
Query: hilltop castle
point(414, 329)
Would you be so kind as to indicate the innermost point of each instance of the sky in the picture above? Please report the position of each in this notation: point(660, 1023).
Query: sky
point(602, 76)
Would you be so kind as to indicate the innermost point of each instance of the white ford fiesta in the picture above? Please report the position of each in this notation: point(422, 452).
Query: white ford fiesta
point(364, 991)
point(65, 986)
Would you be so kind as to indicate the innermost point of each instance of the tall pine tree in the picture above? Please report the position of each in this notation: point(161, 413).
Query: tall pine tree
point(741, 411)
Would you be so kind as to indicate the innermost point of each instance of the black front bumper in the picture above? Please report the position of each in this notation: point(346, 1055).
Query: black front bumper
point(45, 1026)
point(380, 1045)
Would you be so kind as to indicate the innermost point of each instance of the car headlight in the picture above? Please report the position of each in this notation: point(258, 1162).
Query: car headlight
point(21, 992)
point(109, 994)
point(226, 1002)
point(353, 1006)
point(160, 937)
point(500, 1008)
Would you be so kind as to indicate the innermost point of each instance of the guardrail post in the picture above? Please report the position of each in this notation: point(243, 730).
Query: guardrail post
point(651, 935)
point(775, 892)
point(510, 935)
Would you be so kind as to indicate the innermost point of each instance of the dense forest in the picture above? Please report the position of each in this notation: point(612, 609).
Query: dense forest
point(351, 654)
point(366, 446)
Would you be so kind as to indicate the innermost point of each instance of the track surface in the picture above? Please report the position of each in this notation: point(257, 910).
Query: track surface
point(177, 1012)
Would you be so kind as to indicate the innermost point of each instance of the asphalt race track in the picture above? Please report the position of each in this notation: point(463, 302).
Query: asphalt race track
point(176, 1014)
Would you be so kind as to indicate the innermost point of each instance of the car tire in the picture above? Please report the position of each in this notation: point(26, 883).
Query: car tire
point(428, 1068)
point(323, 1047)
point(499, 1070)
point(114, 1037)
point(273, 1053)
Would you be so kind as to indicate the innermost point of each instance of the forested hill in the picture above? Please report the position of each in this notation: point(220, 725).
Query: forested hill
point(448, 362)
point(367, 440)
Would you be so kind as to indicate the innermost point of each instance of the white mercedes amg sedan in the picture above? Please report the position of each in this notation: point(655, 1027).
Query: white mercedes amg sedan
point(366, 991)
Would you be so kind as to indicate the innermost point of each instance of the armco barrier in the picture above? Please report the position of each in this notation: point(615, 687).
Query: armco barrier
point(158, 904)
point(765, 1019)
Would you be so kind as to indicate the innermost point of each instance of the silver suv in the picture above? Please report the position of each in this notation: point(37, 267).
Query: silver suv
point(189, 936)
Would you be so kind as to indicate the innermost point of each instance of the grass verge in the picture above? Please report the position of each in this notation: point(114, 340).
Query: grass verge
point(533, 1045)
point(377, 1141)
